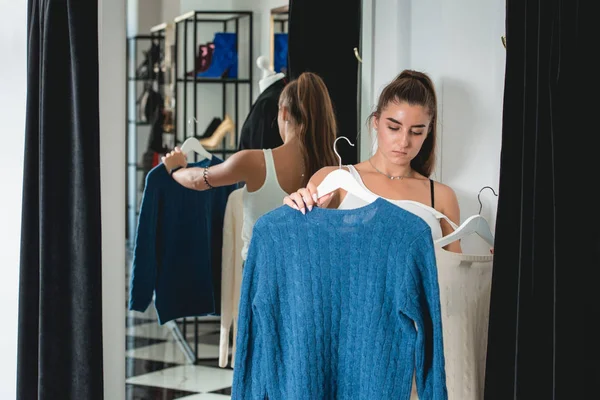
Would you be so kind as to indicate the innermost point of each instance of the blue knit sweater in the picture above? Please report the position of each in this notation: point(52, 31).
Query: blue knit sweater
point(177, 254)
point(340, 304)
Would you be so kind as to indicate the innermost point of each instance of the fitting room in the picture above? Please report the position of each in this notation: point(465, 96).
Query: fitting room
point(133, 276)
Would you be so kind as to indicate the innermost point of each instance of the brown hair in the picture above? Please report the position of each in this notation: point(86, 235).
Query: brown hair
point(309, 104)
point(415, 88)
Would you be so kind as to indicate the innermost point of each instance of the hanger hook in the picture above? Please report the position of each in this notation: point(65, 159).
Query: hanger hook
point(335, 147)
point(192, 119)
point(357, 55)
point(479, 196)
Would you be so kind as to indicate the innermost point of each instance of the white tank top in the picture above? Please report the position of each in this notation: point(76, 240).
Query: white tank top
point(428, 214)
point(257, 203)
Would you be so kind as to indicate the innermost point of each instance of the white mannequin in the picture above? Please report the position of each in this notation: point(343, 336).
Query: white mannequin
point(269, 76)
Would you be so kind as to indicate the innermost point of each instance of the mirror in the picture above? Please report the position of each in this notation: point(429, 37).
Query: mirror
point(217, 76)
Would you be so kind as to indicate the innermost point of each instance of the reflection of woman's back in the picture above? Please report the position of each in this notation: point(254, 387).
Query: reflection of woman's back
point(307, 126)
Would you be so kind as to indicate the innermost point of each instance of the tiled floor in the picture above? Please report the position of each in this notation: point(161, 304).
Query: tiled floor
point(157, 369)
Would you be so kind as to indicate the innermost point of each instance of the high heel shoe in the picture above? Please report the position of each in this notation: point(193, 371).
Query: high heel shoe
point(210, 129)
point(226, 127)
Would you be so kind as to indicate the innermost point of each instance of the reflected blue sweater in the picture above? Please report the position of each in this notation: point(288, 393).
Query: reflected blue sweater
point(177, 254)
point(329, 305)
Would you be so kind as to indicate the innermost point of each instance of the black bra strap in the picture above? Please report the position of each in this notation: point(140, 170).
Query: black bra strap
point(432, 196)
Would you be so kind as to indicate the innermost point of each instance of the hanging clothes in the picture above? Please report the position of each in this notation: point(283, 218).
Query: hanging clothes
point(340, 304)
point(465, 283)
point(260, 129)
point(231, 275)
point(178, 244)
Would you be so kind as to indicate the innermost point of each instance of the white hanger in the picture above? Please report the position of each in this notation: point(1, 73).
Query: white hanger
point(474, 224)
point(342, 179)
point(193, 144)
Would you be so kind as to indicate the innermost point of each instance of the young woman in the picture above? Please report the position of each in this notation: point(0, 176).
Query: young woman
point(307, 127)
point(399, 171)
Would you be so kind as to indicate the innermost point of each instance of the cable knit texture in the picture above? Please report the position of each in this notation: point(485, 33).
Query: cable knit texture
point(177, 254)
point(340, 304)
point(465, 287)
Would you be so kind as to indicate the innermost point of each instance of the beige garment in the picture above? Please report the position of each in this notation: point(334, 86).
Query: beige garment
point(231, 273)
point(465, 283)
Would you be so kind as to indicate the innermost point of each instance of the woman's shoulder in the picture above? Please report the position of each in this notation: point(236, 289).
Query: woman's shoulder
point(445, 198)
point(443, 189)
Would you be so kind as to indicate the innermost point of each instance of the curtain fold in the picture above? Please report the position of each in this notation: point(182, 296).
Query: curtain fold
point(60, 293)
point(542, 255)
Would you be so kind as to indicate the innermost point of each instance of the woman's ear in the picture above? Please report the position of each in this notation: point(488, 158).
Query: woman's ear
point(375, 122)
point(284, 113)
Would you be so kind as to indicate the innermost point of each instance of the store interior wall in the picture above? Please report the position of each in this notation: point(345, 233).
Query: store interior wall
point(13, 88)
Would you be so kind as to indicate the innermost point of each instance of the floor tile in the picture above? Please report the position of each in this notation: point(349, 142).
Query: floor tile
point(206, 396)
point(135, 392)
point(194, 378)
point(171, 352)
point(133, 321)
point(132, 342)
point(155, 331)
point(137, 366)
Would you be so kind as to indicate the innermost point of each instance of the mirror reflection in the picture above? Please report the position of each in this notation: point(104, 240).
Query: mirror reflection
point(311, 218)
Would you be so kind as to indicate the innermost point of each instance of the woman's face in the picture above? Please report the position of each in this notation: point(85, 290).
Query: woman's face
point(401, 131)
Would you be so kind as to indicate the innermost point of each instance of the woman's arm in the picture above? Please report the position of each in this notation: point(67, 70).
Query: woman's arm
point(236, 168)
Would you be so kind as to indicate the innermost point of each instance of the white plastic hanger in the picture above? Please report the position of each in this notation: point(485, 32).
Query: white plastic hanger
point(193, 144)
point(474, 224)
point(342, 179)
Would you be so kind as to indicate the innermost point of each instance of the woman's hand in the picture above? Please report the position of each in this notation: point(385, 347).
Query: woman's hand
point(174, 159)
point(306, 198)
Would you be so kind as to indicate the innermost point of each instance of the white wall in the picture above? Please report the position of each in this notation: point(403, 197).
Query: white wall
point(13, 87)
point(457, 42)
point(111, 34)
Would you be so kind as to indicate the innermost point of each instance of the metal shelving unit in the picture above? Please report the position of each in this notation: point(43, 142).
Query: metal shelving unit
point(134, 89)
point(187, 31)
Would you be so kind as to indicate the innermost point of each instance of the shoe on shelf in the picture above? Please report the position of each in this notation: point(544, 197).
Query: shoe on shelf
point(226, 127)
point(211, 128)
point(203, 58)
point(224, 60)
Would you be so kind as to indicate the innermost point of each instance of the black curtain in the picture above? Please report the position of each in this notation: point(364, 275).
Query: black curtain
point(60, 296)
point(546, 242)
point(322, 38)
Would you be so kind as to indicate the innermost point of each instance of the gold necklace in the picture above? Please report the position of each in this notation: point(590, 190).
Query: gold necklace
point(383, 173)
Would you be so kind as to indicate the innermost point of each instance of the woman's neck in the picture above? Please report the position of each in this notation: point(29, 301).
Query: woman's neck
point(382, 164)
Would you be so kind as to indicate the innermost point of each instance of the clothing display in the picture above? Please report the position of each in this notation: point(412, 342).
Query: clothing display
point(257, 203)
point(223, 61)
point(465, 283)
point(231, 274)
point(178, 245)
point(260, 129)
point(280, 52)
point(340, 304)
point(428, 214)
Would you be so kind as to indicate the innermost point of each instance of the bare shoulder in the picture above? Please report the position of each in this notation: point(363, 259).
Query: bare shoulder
point(248, 158)
point(320, 175)
point(446, 199)
point(444, 192)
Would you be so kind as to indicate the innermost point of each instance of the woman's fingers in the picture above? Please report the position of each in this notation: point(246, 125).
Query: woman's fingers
point(298, 202)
